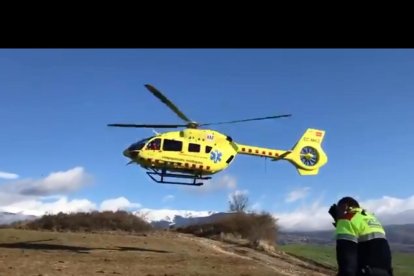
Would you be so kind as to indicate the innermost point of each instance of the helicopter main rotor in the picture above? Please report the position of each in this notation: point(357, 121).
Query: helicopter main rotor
point(189, 123)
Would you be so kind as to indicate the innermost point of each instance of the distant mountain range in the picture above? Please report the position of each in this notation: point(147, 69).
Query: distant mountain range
point(165, 218)
point(161, 219)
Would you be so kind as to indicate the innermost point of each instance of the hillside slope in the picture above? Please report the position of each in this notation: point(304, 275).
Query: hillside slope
point(24, 252)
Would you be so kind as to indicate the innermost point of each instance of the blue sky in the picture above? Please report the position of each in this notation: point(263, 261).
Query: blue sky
point(55, 104)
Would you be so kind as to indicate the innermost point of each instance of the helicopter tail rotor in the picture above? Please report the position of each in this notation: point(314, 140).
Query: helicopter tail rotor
point(307, 155)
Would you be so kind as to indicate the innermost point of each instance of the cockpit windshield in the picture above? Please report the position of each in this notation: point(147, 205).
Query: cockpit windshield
point(139, 145)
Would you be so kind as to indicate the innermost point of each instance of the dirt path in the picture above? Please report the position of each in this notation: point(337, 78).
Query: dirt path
point(278, 261)
point(37, 253)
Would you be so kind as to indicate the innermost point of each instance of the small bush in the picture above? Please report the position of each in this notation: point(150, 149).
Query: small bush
point(94, 221)
point(253, 227)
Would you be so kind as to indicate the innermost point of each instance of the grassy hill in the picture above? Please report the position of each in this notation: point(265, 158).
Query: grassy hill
point(121, 243)
point(33, 252)
point(403, 263)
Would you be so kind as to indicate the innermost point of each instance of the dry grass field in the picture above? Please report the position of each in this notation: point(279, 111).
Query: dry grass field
point(44, 253)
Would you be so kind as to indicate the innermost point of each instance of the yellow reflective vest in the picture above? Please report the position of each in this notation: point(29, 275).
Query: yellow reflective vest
point(357, 225)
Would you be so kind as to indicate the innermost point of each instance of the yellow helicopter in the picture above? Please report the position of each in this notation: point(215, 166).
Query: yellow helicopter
point(195, 154)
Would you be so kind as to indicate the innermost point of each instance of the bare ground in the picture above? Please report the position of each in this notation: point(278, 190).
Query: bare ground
point(41, 253)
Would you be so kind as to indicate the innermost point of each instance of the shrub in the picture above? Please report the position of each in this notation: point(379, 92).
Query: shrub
point(93, 221)
point(251, 226)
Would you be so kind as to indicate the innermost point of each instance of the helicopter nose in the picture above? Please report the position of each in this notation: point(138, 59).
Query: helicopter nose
point(126, 153)
point(132, 154)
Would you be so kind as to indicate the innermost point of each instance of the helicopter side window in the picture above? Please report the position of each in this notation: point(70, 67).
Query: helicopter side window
point(193, 147)
point(172, 145)
point(208, 149)
point(154, 144)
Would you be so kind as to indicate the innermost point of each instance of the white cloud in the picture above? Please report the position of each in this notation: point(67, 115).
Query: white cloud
point(389, 210)
point(297, 194)
point(7, 198)
point(7, 175)
point(388, 205)
point(223, 182)
point(56, 183)
point(168, 198)
point(120, 203)
point(305, 218)
point(38, 208)
point(48, 195)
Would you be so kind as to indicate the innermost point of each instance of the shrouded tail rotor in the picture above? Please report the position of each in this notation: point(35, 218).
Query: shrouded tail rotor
point(307, 155)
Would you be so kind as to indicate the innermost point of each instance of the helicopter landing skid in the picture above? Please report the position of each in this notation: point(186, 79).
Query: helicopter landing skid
point(164, 174)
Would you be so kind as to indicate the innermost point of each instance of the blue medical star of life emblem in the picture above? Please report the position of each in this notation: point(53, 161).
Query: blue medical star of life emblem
point(215, 156)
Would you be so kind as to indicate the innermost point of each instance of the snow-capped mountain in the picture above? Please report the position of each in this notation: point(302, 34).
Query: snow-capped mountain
point(159, 218)
point(7, 218)
point(165, 218)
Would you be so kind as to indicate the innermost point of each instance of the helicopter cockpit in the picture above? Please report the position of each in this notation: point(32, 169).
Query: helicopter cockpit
point(132, 150)
point(155, 144)
point(139, 145)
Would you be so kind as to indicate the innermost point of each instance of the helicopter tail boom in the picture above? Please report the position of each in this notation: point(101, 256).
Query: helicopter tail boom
point(306, 155)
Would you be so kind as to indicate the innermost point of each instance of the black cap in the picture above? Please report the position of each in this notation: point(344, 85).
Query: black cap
point(351, 202)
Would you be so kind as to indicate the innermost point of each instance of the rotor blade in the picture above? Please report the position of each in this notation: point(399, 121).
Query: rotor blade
point(247, 120)
point(165, 100)
point(146, 126)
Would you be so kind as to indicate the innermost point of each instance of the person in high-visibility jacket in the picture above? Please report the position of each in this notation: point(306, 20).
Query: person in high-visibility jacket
point(361, 244)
